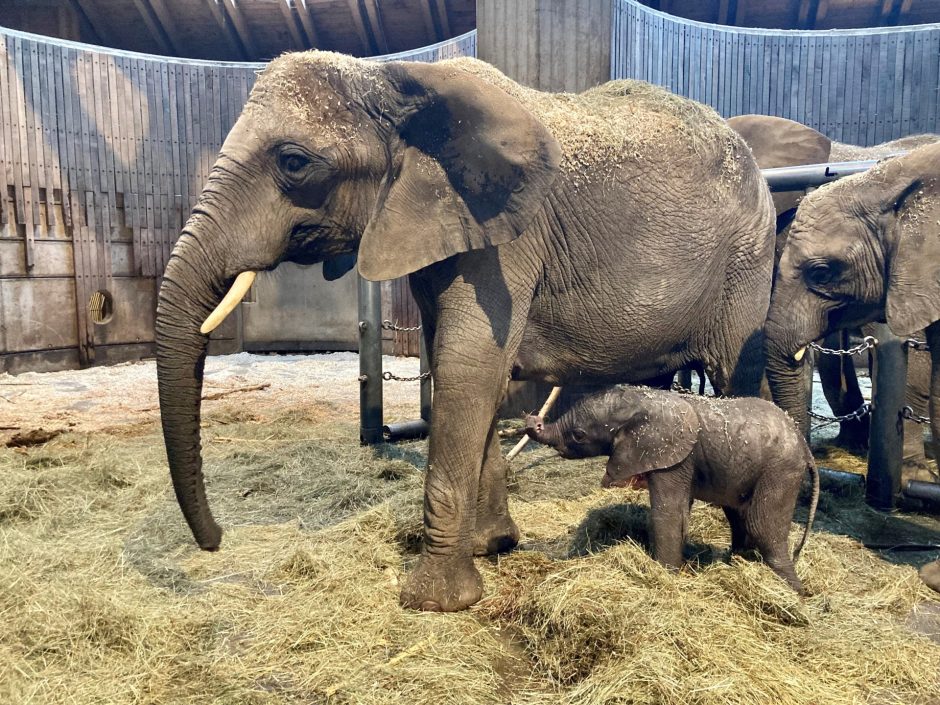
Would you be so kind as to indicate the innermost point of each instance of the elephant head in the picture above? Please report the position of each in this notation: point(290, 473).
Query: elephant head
point(400, 164)
point(866, 248)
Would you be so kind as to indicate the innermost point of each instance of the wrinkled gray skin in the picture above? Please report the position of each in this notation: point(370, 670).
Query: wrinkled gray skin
point(863, 249)
point(778, 142)
point(744, 455)
point(522, 227)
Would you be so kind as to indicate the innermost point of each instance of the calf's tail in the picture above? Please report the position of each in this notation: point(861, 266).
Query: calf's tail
point(814, 501)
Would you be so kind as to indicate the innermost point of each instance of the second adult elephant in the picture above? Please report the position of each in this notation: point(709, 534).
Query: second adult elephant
point(778, 142)
point(612, 236)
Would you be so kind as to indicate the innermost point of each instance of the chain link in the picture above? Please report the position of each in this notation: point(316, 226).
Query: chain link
point(914, 344)
point(867, 343)
point(388, 325)
point(860, 412)
point(908, 413)
point(388, 377)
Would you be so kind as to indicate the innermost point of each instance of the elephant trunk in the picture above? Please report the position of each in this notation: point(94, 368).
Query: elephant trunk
point(786, 375)
point(187, 295)
point(542, 432)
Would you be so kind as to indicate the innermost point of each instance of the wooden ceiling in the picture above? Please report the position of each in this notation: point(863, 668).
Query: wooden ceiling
point(803, 14)
point(245, 30)
point(256, 30)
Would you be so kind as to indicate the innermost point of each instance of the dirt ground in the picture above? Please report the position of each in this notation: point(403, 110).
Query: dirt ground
point(105, 599)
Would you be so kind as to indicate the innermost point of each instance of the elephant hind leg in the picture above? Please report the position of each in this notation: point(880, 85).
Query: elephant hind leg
point(768, 525)
point(495, 531)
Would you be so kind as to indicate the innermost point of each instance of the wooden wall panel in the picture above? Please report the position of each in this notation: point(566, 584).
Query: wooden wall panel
point(857, 86)
point(102, 156)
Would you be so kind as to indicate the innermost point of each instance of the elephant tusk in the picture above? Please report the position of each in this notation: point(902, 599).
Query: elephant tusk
point(798, 355)
point(240, 287)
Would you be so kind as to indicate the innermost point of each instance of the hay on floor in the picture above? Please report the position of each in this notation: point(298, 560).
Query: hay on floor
point(106, 600)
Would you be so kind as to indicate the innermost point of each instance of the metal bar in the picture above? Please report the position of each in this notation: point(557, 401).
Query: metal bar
point(370, 362)
point(886, 441)
point(929, 491)
point(425, 381)
point(405, 430)
point(795, 178)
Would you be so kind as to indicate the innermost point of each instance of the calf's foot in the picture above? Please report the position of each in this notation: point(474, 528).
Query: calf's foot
point(442, 584)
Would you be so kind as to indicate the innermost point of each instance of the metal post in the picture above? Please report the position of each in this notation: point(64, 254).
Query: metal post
point(886, 442)
point(426, 381)
point(370, 362)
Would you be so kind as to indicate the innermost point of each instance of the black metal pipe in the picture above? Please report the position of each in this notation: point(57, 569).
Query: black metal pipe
point(886, 437)
point(930, 491)
point(405, 430)
point(797, 178)
point(841, 476)
point(370, 362)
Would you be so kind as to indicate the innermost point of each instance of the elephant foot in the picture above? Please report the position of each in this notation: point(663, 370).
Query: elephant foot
point(853, 437)
point(442, 584)
point(930, 574)
point(494, 535)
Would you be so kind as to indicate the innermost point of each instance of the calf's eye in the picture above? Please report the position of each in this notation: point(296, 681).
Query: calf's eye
point(293, 163)
point(579, 435)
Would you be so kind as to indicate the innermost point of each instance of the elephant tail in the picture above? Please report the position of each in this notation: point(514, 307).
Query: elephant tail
point(813, 503)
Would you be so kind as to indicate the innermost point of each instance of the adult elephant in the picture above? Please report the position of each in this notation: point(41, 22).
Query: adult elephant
point(863, 249)
point(778, 142)
point(551, 237)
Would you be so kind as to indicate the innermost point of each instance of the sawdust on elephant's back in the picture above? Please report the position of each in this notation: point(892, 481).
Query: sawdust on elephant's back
point(621, 121)
point(841, 152)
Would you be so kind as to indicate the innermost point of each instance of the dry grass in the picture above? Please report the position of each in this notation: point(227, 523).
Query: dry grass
point(104, 599)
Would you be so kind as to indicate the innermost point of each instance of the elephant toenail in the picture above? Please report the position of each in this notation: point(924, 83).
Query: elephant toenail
point(430, 606)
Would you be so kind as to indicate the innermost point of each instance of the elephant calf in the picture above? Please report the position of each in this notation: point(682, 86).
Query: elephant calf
point(744, 455)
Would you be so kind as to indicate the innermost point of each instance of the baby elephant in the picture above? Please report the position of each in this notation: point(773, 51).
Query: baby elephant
point(744, 455)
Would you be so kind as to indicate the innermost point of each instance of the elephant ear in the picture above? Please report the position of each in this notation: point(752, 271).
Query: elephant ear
point(908, 188)
point(475, 169)
point(777, 142)
point(658, 436)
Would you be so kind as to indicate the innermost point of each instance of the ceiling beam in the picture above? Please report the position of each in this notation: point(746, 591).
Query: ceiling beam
point(234, 10)
point(306, 19)
point(368, 47)
point(228, 31)
point(87, 11)
point(905, 11)
point(822, 9)
point(155, 27)
point(168, 23)
point(728, 12)
point(434, 34)
point(293, 25)
point(442, 16)
point(375, 23)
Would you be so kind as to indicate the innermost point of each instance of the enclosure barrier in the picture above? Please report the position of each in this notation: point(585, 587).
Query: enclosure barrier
point(860, 86)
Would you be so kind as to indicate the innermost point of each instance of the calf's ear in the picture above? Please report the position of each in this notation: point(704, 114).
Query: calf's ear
point(908, 193)
point(656, 437)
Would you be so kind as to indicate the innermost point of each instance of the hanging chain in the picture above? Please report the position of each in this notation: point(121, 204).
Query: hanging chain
point(388, 325)
point(915, 344)
point(388, 377)
point(868, 342)
point(908, 413)
point(860, 412)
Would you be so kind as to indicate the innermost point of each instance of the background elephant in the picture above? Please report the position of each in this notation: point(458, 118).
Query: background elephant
point(526, 221)
point(778, 142)
point(865, 248)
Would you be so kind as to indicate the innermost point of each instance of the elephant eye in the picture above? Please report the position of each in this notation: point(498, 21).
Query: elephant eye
point(293, 163)
point(821, 273)
point(578, 435)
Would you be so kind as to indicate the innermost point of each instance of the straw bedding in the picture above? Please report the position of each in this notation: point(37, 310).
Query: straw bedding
point(105, 600)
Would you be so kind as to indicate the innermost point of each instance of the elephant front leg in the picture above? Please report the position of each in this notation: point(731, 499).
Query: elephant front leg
point(495, 531)
point(670, 502)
